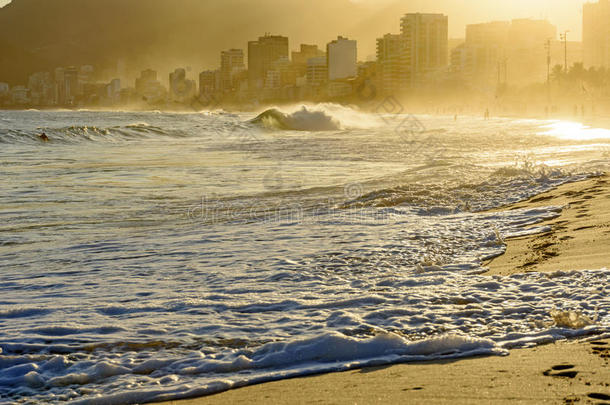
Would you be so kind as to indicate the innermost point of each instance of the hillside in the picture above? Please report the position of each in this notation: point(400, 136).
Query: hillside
point(43, 34)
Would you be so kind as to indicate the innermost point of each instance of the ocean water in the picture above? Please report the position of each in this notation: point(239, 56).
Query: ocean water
point(153, 256)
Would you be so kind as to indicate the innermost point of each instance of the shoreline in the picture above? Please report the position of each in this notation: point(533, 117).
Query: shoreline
point(575, 236)
point(566, 372)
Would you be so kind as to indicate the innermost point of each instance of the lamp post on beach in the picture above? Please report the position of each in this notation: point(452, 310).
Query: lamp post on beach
point(564, 38)
point(547, 45)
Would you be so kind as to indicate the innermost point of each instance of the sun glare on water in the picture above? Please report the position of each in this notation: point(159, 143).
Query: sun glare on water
point(575, 131)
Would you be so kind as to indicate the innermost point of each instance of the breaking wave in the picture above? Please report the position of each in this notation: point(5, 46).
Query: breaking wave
point(320, 117)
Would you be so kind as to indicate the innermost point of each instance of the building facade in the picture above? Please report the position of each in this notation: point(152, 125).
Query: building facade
point(596, 33)
point(181, 89)
point(425, 49)
point(410, 58)
point(231, 64)
point(262, 54)
point(342, 59)
point(501, 52)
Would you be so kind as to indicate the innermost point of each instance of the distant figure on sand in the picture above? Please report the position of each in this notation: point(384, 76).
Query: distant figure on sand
point(487, 113)
point(43, 137)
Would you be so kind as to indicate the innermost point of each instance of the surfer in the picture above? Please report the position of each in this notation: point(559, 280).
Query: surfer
point(43, 137)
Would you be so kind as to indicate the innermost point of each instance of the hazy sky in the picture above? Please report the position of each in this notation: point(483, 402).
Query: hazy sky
point(566, 14)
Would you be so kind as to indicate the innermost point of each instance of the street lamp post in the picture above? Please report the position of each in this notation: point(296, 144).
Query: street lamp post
point(564, 38)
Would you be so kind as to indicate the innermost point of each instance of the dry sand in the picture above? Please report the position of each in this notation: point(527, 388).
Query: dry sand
point(559, 373)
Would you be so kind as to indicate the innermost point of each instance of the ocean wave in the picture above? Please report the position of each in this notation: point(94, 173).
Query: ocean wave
point(316, 118)
point(302, 120)
point(83, 133)
point(504, 186)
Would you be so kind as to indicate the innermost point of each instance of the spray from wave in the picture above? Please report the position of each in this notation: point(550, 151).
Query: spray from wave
point(317, 118)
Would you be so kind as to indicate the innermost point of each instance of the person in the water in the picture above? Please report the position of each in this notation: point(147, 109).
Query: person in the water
point(43, 137)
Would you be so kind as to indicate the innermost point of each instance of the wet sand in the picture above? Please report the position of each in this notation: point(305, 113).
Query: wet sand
point(561, 373)
point(579, 238)
point(574, 372)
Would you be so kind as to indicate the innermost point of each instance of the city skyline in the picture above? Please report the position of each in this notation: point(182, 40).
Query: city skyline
point(417, 58)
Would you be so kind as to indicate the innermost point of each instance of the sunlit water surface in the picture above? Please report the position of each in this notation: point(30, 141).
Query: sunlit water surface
point(150, 256)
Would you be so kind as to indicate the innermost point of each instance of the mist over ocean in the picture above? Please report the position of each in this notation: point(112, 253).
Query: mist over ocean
point(149, 256)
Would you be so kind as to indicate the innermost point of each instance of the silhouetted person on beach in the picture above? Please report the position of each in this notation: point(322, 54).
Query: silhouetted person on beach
point(487, 114)
point(43, 137)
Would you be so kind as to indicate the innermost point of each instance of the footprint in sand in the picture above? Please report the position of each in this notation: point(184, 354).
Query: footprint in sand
point(595, 395)
point(558, 371)
point(601, 348)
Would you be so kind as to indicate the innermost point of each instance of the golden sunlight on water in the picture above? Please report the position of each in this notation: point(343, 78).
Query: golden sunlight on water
point(576, 131)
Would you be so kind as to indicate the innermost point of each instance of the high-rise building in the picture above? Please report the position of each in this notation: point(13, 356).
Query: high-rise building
point(71, 87)
point(504, 51)
point(483, 52)
point(181, 89)
point(306, 52)
point(149, 87)
point(261, 56)
point(113, 90)
point(42, 88)
point(596, 33)
point(342, 59)
point(207, 82)
point(60, 90)
point(425, 47)
point(317, 72)
point(390, 64)
point(231, 63)
point(20, 95)
point(409, 58)
point(300, 58)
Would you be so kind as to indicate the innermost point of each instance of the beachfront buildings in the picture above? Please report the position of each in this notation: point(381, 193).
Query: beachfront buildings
point(500, 51)
point(149, 88)
point(390, 67)
point(425, 51)
point(303, 55)
point(342, 59)
point(317, 72)
point(416, 55)
point(181, 89)
point(596, 33)
point(231, 64)
point(342, 66)
point(71, 88)
point(262, 54)
point(208, 82)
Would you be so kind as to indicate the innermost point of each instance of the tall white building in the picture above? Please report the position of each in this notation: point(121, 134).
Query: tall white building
point(342, 59)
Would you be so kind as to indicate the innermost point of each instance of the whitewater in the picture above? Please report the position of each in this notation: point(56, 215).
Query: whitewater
point(149, 256)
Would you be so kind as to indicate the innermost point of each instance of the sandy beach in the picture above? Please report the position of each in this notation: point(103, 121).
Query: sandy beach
point(567, 372)
point(562, 373)
point(575, 238)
